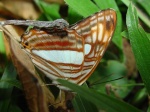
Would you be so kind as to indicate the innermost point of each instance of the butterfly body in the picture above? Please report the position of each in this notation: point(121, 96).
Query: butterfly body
point(71, 53)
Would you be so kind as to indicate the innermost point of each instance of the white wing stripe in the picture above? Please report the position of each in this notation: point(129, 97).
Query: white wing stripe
point(58, 56)
point(87, 48)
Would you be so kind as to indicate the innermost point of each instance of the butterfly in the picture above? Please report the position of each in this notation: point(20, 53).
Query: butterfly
point(71, 52)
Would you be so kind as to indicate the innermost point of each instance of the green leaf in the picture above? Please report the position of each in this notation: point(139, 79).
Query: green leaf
point(140, 96)
point(12, 82)
point(125, 34)
point(145, 4)
point(80, 104)
point(3, 57)
point(2, 46)
point(51, 11)
point(140, 44)
point(73, 16)
point(109, 74)
point(141, 15)
point(9, 73)
point(82, 9)
point(148, 110)
point(148, 35)
point(102, 101)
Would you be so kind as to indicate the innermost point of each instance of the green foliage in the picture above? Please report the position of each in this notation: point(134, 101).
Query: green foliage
point(82, 105)
point(50, 11)
point(3, 58)
point(140, 45)
point(145, 4)
point(101, 100)
point(93, 96)
point(113, 70)
point(140, 56)
point(7, 83)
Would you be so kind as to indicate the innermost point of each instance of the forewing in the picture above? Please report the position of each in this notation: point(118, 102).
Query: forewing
point(97, 31)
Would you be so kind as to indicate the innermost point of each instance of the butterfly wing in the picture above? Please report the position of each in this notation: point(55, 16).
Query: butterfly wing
point(97, 31)
point(57, 53)
point(71, 53)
